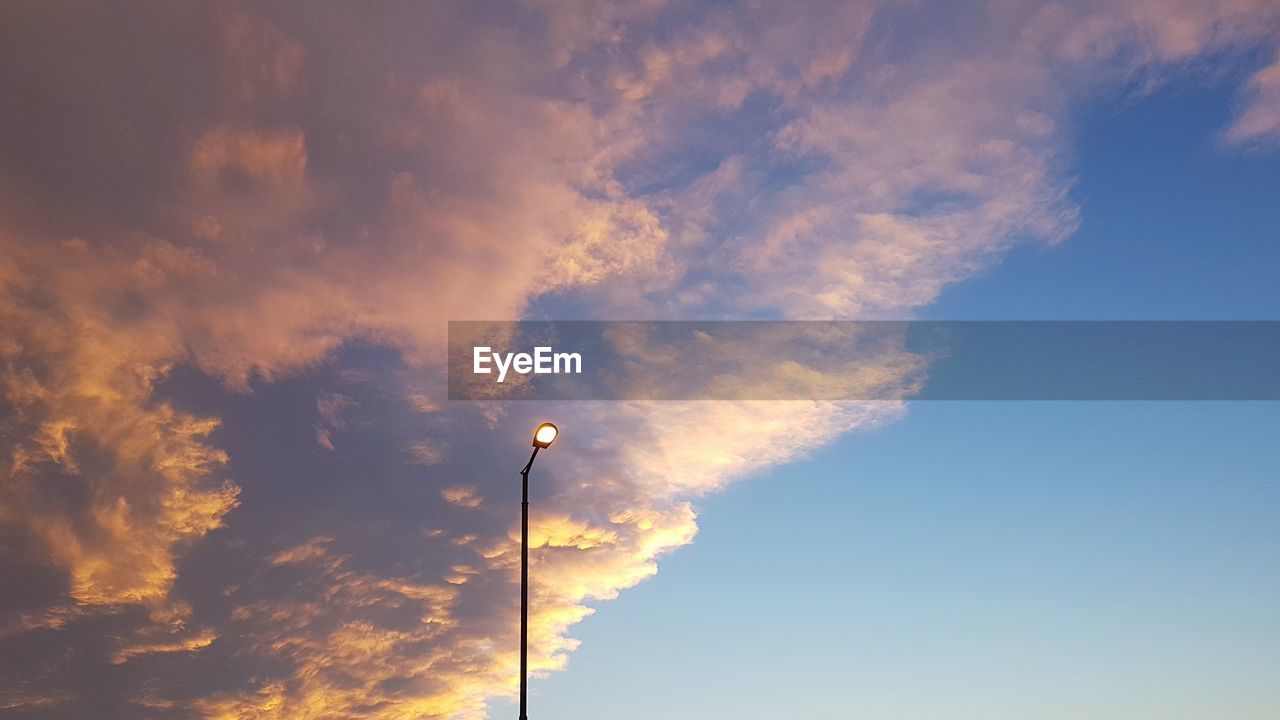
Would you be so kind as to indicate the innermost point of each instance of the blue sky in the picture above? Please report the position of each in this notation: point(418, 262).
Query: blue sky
point(997, 560)
point(1176, 226)
point(1006, 560)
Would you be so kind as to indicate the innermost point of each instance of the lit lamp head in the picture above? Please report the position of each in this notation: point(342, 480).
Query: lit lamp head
point(545, 435)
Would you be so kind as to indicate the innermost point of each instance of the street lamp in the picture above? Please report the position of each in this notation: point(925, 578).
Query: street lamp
point(542, 438)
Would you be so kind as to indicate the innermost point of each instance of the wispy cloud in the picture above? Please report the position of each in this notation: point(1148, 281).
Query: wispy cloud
point(1260, 119)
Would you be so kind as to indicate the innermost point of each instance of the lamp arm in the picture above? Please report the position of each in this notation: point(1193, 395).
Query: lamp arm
point(529, 464)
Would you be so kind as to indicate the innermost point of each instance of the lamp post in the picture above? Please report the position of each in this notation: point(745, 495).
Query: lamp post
point(542, 437)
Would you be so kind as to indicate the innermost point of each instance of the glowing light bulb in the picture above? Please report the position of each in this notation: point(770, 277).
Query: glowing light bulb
point(545, 435)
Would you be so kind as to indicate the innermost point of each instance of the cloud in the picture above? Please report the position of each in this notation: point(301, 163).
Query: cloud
point(461, 496)
point(111, 481)
point(200, 640)
point(324, 439)
point(347, 635)
point(330, 409)
point(1260, 119)
point(424, 452)
point(260, 62)
point(223, 157)
point(193, 251)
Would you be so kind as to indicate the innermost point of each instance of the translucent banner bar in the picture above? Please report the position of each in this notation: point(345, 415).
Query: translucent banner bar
point(864, 360)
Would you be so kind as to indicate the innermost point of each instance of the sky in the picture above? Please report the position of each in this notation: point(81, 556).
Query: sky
point(1003, 559)
point(231, 238)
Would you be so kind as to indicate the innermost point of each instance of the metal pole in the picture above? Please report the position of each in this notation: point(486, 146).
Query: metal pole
point(524, 584)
